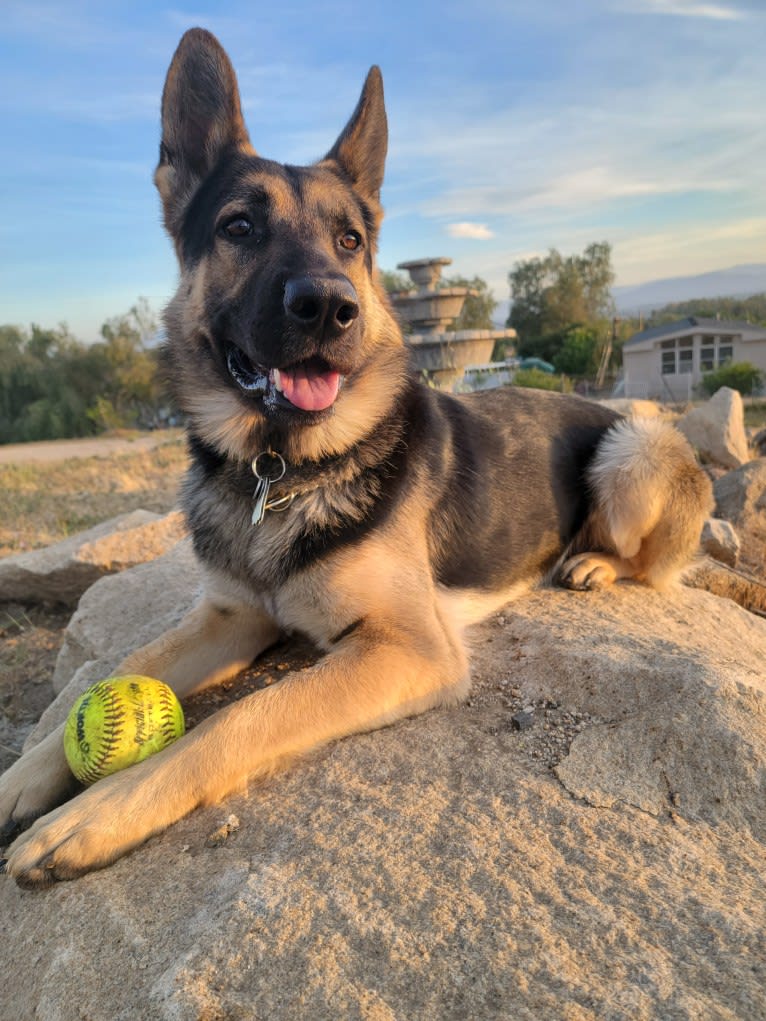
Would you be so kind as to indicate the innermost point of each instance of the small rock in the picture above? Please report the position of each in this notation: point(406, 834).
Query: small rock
point(720, 541)
point(224, 831)
point(523, 720)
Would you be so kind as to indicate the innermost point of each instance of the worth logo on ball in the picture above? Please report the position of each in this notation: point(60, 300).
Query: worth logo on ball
point(118, 722)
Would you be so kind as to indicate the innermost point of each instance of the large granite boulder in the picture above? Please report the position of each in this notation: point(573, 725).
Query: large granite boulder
point(602, 859)
point(62, 572)
point(112, 620)
point(716, 429)
point(740, 495)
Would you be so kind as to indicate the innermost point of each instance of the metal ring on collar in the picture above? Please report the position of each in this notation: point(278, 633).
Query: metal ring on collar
point(269, 453)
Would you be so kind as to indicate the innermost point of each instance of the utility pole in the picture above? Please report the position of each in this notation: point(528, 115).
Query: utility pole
point(606, 353)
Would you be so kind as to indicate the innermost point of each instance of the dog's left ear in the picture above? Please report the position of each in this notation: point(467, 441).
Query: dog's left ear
point(361, 148)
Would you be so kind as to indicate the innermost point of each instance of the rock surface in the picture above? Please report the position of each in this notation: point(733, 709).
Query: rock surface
point(441, 868)
point(62, 572)
point(716, 429)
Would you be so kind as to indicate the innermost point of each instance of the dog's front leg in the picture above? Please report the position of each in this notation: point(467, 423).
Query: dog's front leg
point(372, 678)
point(215, 640)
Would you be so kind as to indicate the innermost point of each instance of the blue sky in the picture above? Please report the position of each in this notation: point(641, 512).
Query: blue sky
point(514, 127)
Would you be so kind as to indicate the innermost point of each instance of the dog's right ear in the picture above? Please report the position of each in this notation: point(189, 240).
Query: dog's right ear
point(201, 120)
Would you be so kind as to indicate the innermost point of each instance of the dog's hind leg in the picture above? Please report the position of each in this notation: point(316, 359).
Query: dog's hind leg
point(650, 499)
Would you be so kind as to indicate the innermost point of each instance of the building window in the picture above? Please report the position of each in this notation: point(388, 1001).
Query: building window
point(677, 355)
point(716, 351)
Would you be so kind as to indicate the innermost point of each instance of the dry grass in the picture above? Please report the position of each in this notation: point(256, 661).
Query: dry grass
point(40, 504)
point(43, 503)
point(755, 413)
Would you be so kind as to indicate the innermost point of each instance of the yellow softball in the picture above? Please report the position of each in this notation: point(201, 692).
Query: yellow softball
point(119, 722)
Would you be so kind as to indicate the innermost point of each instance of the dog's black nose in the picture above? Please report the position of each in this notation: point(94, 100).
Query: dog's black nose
point(322, 306)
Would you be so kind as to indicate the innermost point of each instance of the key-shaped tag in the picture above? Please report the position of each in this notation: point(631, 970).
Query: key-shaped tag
point(266, 476)
point(260, 498)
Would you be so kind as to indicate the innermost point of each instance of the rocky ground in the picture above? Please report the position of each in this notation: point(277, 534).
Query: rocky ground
point(600, 858)
point(583, 840)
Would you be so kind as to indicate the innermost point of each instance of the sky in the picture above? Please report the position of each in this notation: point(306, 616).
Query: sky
point(515, 126)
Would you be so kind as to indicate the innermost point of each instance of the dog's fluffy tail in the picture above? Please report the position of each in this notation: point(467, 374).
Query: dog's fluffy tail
point(651, 497)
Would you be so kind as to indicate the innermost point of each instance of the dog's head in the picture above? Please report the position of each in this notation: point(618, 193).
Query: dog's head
point(279, 332)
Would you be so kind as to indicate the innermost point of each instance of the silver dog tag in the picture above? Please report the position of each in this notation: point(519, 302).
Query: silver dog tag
point(272, 468)
point(260, 499)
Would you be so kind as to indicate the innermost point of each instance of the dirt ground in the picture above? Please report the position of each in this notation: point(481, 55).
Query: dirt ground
point(30, 638)
point(55, 451)
point(49, 491)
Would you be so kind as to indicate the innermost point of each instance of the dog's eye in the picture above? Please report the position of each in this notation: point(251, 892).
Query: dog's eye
point(351, 240)
point(239, 227)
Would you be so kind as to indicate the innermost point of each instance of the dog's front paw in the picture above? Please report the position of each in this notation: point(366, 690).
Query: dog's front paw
point(106, 821)
point(87, 833)
point(39, 781)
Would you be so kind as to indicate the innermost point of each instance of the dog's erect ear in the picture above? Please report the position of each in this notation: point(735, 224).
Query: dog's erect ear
point(361, 148)
point(201, 119)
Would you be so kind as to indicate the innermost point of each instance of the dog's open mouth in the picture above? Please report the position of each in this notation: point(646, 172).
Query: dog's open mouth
point(309, 385)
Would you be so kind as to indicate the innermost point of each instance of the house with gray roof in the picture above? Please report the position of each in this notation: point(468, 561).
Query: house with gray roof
point(668, 361)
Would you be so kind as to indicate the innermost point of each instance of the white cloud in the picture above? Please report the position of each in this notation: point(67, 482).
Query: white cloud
point(477, 231)
point(686, 9)
point(643, 139)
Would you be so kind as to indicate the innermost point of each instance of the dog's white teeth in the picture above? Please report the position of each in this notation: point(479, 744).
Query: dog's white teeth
point(275, 379)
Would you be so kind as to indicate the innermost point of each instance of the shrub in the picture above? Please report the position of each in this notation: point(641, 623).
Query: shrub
point(539, 380)
point(742, 376)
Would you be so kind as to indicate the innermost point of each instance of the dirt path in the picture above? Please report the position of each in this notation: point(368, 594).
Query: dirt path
point(60, 450)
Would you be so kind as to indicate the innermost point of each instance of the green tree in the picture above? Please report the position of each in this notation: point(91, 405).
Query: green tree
point(528, 280)
point(479, 307)
point(132, 390)
point(551, 295)
point(393, 281)
point(579, 352)
point(53, 386)
point(46, 382)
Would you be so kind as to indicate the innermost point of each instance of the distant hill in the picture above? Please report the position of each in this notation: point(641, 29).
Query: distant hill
point(736, 282)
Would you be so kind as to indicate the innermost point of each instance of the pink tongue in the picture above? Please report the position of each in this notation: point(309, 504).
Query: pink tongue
point(309, 389)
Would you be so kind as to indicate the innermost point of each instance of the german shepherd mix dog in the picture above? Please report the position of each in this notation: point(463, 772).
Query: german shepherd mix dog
point(329, 492)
